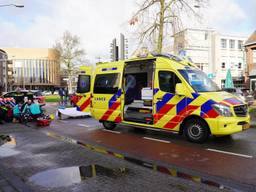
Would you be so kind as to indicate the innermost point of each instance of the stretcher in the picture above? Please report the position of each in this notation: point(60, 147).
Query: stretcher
point(71, 112)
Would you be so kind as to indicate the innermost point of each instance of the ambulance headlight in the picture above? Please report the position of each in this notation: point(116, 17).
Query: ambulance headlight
point(222, 110)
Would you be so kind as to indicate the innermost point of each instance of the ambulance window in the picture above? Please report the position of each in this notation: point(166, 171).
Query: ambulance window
point(106, 83)
point(168, 81)
point(83, 84)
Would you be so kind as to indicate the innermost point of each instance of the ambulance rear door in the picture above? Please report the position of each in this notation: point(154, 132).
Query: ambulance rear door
point(83, 94)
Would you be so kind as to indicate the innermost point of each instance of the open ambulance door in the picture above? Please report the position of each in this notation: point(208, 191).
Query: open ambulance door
point(82, 97)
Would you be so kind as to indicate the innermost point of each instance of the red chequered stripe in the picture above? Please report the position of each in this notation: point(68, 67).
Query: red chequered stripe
point(118, 119)
point(110, 111)
point(211, 114)
point(179, 117)
point(85, 104)
point(165, 109)
point(232, 101)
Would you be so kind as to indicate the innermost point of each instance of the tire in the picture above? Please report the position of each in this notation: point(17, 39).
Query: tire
point(109, 125)
point(196, 130)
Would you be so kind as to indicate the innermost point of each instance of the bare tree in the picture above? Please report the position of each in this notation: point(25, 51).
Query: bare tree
point(71, 55)
point(157, 19)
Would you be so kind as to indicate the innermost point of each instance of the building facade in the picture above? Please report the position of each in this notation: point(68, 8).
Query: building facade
point(213, 53)
point(34, 68)
point(250, 48)
point(3, 63)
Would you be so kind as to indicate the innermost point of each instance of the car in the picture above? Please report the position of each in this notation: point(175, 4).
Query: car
point(47, 93)
point(37, 95)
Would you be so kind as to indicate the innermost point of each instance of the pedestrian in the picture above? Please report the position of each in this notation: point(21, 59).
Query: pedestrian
point(30, 95)
point(17, 112)
point(19, 96)
point(61, 94)
point(66, 95)
point(2, 114)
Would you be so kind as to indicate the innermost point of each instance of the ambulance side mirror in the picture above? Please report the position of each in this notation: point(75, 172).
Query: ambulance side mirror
point(182, 90)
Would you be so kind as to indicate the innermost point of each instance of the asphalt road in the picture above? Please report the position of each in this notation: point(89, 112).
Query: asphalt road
point(243, 143)
point(47, 164)
point(232, 154)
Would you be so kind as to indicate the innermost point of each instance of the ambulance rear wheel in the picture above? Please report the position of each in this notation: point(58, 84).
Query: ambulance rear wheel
point(196, 130)
point(109, 125)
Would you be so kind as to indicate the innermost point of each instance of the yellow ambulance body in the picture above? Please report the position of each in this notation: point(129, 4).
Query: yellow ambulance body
point(164, 92)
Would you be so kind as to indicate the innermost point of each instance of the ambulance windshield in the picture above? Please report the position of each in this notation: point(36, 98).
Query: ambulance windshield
point(199, 80)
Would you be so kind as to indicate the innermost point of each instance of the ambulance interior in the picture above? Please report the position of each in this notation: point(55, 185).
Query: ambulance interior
point(138, 88)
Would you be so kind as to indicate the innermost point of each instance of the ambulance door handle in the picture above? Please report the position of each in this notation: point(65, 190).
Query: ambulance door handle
point(159, 98)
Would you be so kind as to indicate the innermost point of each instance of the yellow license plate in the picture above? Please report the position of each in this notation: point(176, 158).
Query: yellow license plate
point(246, 126)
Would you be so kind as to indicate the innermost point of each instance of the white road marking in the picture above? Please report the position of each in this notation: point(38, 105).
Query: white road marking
point(230, 153)
point(91, 129)
point(153, 139)
point(83, 125)
point(111, 131)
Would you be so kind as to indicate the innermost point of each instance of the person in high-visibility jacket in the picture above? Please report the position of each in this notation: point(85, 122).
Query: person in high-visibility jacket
point(33, 109)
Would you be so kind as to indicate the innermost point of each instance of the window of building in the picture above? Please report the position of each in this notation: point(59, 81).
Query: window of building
point(232, 65)
point(231, 44)
point(239, 65)
point(206, 36)
point(106, 83)
point(168, 81)
point(240, 44)
point(224, 43)
point(223, 65)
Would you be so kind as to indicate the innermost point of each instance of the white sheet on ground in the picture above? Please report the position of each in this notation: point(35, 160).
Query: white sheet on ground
point(72, 112)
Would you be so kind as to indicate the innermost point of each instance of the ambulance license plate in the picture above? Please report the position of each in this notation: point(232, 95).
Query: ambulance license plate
point(246, 126)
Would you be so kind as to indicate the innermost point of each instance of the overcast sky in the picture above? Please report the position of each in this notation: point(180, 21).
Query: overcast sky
point(97, 22)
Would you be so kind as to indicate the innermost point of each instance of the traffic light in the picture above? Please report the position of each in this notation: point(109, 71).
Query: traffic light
point(114, 50)
point(121, 50)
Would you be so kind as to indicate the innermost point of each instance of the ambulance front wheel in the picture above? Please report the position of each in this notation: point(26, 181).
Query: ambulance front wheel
point(196, 130)
point(109, 125)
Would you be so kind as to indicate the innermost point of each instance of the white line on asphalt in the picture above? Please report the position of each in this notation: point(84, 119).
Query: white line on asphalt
point(91, 129)
point(111, 131)
point(83, 125)
point(230, 153)
point(153, 139)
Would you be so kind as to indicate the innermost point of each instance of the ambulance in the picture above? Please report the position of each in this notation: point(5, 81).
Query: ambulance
point(82, 98)
point(162, 92)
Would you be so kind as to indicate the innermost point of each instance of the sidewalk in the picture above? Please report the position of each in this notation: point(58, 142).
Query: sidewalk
point(10, 182)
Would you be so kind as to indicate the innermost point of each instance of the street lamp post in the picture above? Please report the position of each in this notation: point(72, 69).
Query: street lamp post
point(6, 65)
